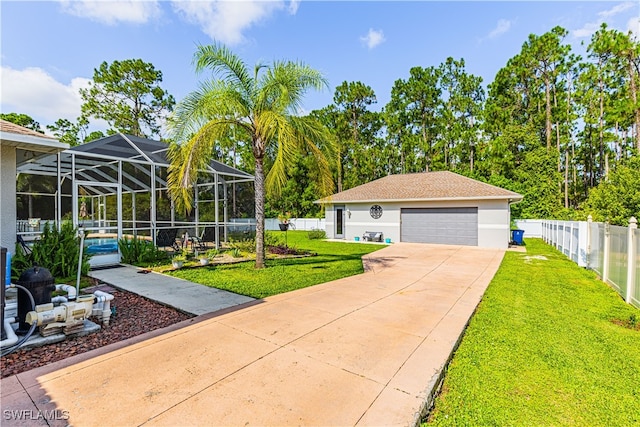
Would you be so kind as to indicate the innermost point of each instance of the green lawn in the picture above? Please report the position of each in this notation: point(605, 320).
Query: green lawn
point(334, 260)
point(543, 350)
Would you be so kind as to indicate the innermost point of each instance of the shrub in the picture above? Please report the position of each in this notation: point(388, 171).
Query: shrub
point(57, 251)
point(316, 234)
point(273, 239)
point(139, 251)
point(212, 253)
point(247, 245)
point(235, 253)
point(283, 250)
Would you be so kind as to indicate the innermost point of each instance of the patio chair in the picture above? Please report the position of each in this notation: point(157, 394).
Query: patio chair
point(166, 238)
point(200, 243)
point(26, 249)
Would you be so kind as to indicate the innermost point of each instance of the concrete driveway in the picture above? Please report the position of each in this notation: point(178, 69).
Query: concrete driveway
point(364, 350)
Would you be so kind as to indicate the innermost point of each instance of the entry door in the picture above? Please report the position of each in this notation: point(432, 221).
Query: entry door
point(339, 223)
point(98, 218)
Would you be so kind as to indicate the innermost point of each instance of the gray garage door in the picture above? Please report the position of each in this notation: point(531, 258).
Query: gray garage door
point(453, 226)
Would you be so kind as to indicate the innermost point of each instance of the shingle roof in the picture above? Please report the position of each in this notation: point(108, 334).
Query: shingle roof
point(442, 185)
point(6, 126)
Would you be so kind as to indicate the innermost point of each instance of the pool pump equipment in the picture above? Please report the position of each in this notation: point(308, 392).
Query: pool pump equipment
point(35, 307)
point(68, 317)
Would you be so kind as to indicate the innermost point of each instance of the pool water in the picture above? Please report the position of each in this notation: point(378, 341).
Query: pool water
point(97, 246)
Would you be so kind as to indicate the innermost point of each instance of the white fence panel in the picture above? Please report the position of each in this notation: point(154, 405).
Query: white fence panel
point(635, 297)
point(611, 251)
point(531, 227)
point(618, 248)
point(297, 224)
point(596, 258)
point(569, 237)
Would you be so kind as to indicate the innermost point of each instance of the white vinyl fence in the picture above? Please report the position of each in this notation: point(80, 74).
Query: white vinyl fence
point(611, 251)
point(296, 224)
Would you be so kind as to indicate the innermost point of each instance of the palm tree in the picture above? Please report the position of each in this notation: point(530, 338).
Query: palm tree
point(261, 108)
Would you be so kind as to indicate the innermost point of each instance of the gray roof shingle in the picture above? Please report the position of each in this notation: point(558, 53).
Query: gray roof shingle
point(441, 185)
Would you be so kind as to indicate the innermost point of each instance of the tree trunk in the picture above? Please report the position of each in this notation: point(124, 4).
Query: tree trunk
point(259, 203)
point(339, 172)
point(547, 85)
point(566, 181)
point(601, 125)
point(634, 97)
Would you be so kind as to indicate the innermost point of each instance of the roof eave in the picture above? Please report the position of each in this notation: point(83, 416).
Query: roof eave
point(511, 198)
point(32, 143)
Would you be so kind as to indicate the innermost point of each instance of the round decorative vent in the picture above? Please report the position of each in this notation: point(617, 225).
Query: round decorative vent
point(375, 211)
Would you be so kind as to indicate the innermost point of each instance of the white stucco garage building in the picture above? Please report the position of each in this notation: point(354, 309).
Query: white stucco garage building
point(17, 145)
point(430, 207)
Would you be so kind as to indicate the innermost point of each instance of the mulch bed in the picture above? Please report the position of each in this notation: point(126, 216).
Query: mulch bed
point(134, 315)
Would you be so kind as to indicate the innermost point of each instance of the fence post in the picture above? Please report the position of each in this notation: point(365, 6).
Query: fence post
point(605, 252)
point(588, 257)
point(631, 256)
point(572, 242)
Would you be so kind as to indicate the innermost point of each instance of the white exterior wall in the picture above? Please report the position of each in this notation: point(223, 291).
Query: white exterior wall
point(329, 218)
point(493, 219)
point(494, 229)
point(8, 210)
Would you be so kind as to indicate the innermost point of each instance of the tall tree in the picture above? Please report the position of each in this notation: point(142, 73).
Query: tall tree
point(261, 107)
point(414, 107)
point(618, 198)
point(545, 56)
point(128, 96)
point(73, 133)
point(356, 130)
point(463, 98)
point(22, 120)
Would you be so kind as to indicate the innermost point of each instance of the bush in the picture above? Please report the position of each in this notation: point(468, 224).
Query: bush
point(57, 251)
point(273, 239)
point(139, 251)
point(235, 253)
point(246, 245)
point(283, 250)
point(316, 234)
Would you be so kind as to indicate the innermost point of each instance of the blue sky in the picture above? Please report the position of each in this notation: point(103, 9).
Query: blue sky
point(50, 49)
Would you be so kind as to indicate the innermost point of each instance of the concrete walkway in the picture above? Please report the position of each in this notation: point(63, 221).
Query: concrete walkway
point(184, 295)
point(363, 350)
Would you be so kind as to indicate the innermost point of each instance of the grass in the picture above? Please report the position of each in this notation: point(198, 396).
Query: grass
point(547, 346)
point(334, 260)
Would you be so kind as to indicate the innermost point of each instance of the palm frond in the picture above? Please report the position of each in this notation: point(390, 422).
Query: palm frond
point(187, 159)
point(283, 86)
point(225, 64)
point(294, 134)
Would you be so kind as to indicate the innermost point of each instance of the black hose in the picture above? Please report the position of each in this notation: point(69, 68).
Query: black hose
point(14, 347)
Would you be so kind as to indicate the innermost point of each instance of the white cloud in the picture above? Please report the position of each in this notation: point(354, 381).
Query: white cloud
point(634, 26)
point(502, 27)
point(373, 38)
point(293, 6)
point(34, 92)
point(112, 12)
point(619, 8)
point(605, 16)
point(225, 21)
point(586, 31)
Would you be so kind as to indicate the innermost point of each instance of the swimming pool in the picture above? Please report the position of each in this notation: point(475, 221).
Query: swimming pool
point(100, 246)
